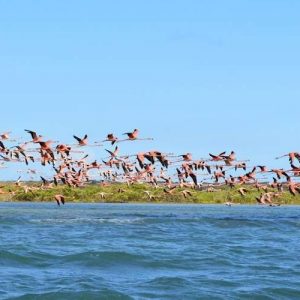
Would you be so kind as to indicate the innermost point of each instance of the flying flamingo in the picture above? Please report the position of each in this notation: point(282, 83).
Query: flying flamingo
point(217, 157)
point(35, 138)
point(111, 138)
point(60, 199)
point(133, 136)
point(5, 135)
point(113, 153)
point(83, 141)
point(292, 156)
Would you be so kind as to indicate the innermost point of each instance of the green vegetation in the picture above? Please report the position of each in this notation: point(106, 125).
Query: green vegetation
point(115, 193)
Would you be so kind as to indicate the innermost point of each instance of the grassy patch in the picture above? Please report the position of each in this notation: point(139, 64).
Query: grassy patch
point(115, 193)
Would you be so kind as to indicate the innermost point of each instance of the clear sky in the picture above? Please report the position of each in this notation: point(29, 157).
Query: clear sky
point(198, 76)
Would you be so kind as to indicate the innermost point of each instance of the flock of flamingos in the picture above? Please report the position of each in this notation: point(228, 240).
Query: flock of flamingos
point(174, 174)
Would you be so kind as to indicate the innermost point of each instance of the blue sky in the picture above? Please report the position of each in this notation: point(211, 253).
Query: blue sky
point(198, 76)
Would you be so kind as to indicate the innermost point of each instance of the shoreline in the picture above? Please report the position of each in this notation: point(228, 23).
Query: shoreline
point(148, 203)
point(140, 193)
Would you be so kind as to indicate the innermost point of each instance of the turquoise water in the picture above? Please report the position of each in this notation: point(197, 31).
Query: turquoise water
point(125, 251)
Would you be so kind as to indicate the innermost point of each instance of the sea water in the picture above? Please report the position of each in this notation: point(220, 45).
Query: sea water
point(128, 251)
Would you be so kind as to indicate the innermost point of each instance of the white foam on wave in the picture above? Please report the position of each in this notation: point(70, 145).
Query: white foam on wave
point(117, 221)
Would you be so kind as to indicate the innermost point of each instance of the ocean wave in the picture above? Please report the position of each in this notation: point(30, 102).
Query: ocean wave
point(105, 294)
point(15, 259)
point(86, 220)
point(168, 282)
point(88, 258)
point(96, 258)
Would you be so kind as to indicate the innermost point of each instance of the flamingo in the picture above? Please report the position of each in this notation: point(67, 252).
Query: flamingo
point(83, 141)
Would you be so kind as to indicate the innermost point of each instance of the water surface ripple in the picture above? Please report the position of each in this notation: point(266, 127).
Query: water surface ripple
point(127, 251)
